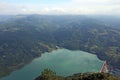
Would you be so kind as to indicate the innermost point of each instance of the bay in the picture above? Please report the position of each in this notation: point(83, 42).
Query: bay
point(64, 62)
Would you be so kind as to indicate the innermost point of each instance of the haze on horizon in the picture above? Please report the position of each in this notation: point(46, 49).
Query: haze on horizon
point(99, 7)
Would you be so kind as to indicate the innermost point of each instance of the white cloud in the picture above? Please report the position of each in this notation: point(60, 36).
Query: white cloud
point(96, 1)
point(9, 8)
point(72, 7)
point(52, 10)
point(6, 8)
point(97, 6)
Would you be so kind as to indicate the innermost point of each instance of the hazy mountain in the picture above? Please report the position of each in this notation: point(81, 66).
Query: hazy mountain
point(111, 21)
point(24, 37)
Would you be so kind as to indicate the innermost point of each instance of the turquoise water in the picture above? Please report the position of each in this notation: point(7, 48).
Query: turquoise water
point(64, 62)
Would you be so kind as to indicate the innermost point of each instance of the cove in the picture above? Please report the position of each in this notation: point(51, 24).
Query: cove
point(64, 62)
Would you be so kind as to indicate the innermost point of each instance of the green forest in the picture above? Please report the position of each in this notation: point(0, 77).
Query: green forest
point(25, 37)
point(48, 74)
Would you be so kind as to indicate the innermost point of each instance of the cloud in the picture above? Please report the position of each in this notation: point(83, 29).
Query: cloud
point(95, 2)
point(9, 8)
point(97, 6)
point(52, 10)
point(72, 7)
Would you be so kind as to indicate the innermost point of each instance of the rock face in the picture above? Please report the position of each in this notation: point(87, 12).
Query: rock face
point(50, 75)
point(104, 68)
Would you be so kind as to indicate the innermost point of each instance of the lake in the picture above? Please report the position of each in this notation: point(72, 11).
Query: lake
point(64, 62)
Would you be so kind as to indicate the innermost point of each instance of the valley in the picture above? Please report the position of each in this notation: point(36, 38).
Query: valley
point(25, 37)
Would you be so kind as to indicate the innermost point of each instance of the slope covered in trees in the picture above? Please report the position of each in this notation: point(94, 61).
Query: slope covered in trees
point(50, 75)
point(25, 37)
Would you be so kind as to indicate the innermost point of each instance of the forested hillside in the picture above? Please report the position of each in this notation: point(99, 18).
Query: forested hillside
point(25, 37)
point(50, 75)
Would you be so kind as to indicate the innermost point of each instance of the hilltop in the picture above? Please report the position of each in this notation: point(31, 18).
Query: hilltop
point(50, 75)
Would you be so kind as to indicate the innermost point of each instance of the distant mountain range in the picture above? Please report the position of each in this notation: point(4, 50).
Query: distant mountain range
point(25, 37)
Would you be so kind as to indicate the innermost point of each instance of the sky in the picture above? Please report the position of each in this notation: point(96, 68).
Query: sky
point(103, 7)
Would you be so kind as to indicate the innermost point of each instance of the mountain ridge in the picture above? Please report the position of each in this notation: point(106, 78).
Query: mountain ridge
point(27, 37)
